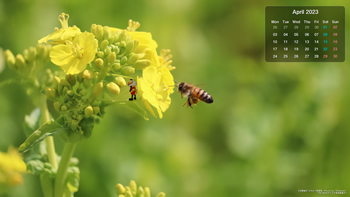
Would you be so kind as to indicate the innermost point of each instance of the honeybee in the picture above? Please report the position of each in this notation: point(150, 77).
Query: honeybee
point(193, 93)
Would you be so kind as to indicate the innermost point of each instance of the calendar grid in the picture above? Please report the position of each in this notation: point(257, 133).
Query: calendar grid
point(305, 34)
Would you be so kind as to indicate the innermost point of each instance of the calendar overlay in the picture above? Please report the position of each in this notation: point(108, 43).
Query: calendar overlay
point(305, 34)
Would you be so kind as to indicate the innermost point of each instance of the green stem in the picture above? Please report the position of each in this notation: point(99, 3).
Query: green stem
point(62, 169)
point(50, 146)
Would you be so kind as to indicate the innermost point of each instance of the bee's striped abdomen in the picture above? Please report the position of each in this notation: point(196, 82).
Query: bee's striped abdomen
point(202, 95)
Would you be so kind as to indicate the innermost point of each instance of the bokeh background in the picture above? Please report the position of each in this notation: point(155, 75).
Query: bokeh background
point(274, 128)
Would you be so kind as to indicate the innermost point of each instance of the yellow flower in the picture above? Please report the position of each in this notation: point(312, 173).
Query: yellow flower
point(155, 86)
point(74, 56)
point(63, 34)
point(147, 46)
point(165, 59)
point(11, 165)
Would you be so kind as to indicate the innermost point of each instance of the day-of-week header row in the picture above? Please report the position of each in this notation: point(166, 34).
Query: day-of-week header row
point(305, 21)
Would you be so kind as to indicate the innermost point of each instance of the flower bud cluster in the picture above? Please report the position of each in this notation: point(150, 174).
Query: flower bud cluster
point(30, 61)
point(116, 51)
point(29, 65)
point(133, 191)
point(73, 101)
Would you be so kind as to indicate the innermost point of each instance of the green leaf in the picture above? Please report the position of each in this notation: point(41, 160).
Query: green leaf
point(31, 122)
point(133, 105)
point(47, 129)
point(87, 125)
point(73, 178)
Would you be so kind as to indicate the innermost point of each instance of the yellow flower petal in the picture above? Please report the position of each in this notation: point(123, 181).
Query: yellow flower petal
point(147, 92)
point(61, 54)
point(60, 36)
point(74, 56)
point(148, 106)
point(145, 39)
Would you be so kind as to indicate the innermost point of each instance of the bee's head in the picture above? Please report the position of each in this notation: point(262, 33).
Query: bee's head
point(180, 86)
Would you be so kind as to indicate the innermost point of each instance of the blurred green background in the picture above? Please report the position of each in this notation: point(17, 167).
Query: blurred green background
point(274, 128)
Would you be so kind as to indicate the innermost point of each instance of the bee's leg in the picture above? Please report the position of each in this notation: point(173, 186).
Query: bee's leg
point(189, 101)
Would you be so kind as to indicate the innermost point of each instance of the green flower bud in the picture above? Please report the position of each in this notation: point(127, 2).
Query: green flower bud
point(64, 91)
point(56, 81)
point(63, 108)
point(100, 54)
point(132, 59)
point(42, 51)
point(128, 194)
point(113, 88)
point(50, 93)
point(80, 77)
point(88, 111)
point(161, 194)
point(10, 59)
point(96, 92)
point(127, 70)
point(20, 62)
point(48, 78)
point(31, 54)
point(71, 79)
point(93, 29)
point(120, 189)
point(57, 106)
point(64, 82)
point(106, 33)
point(136, 43)
point(83, 92)
point(60, 89)
point(112, 38)
point(25, 54)
point(78, 90)
point(88, 74)
point(147, 192)
point(103, 45)
point(116, 50)
point(129, 46)
point(120, 81)
point(74, 125)
point(123, 44)
point(99, 32)
point(80, 117)
point(140, 191)
point(87, 83)
point(116, 66)
point(70, 92)
point(133, 187)
point(107, 51)
point(111, 57)
point(128, 39)
point(127, 189)
point(123, 60)
point(96, 110)
point(98, 63)
point(122, 36)
point(141, 64)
